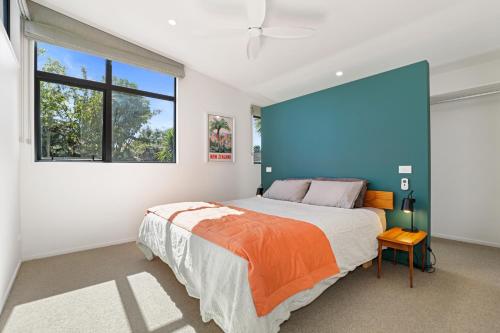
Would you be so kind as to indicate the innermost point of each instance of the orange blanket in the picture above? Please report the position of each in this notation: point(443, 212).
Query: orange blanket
point(285, 256)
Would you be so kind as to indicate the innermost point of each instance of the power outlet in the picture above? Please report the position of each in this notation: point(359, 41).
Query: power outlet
point(405, 184)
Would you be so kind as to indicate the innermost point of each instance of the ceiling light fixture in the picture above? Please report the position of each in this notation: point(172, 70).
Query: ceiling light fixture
point(339, 73)
point(172, 22)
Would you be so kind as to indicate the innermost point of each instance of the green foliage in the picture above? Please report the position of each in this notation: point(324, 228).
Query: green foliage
point(217, 124)
point(72, 122)
point(219, 145)
point(167, 147)
point(258, 124)
point(257, 154)
point(71, 118)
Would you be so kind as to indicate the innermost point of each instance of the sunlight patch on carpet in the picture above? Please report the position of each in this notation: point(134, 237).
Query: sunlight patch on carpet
point(156, 306)
point(97, 308)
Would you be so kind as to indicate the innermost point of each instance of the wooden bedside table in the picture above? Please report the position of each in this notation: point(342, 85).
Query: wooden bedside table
point(397, 239)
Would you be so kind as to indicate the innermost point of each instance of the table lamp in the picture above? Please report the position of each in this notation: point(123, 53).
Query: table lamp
point(407, 207)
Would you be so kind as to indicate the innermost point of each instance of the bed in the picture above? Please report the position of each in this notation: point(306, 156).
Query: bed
point(219, 278)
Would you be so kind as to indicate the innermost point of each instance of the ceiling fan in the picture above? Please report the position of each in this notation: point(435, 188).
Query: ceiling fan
point(256, 12)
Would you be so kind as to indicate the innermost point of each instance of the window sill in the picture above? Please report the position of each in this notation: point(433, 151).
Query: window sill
point(103, 162)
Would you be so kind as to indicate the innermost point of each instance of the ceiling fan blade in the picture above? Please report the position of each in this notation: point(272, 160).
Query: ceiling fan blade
point(287, 32)
point(253, 47)
point(256, 12)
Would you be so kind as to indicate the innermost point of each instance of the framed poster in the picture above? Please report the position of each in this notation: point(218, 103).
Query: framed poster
point(220, 130)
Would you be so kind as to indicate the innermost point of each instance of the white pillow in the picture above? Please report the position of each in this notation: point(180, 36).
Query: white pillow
point(333, 193)
point(288, 190)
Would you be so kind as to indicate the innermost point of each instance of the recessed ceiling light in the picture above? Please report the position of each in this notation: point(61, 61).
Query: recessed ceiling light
point(339, 73)
point(172, 22)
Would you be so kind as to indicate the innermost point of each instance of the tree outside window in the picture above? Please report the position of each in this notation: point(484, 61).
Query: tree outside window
point(72, 107)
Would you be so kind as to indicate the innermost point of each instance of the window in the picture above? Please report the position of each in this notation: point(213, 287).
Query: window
point(5, 15)
point(257, 145)
point(92, 109)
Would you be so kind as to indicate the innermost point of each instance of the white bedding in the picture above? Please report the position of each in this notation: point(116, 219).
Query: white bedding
point(219, 279)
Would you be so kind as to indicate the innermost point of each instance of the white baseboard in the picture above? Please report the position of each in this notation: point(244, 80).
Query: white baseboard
point(465, 240)
point(76, 249)
point(9, 287)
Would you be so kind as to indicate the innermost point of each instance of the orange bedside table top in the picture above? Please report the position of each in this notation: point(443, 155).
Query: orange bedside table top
point(397, 235)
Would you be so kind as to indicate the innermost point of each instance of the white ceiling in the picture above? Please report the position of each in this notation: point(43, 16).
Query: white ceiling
point(360, 37)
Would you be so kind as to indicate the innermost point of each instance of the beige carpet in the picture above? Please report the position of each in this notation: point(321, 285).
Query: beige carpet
point(115, 289)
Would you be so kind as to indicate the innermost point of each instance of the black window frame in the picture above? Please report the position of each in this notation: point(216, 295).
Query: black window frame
point(6, 16)
point(107, 88)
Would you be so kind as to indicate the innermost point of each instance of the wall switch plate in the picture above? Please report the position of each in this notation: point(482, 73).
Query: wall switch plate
point(269, 169)
point(405, 184)
point(405, 169)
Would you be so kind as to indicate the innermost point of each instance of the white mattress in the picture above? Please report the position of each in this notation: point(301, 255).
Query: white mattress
point(219, 278)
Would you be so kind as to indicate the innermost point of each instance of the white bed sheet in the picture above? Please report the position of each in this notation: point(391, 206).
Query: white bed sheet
point(219, 278)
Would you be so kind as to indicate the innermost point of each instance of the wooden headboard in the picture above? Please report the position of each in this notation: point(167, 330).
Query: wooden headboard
point(379, 199)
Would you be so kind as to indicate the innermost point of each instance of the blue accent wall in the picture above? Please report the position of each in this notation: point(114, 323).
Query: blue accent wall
point(364, 129)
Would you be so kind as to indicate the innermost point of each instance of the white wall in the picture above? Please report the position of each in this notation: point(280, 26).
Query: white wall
point(69, 206)
point(10, 251)
point(465, 166)
point(465, 187)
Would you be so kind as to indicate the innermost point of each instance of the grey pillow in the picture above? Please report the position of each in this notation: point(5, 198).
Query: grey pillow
point(360, 200)
point(288, 190)
point(333, 193)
